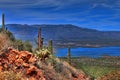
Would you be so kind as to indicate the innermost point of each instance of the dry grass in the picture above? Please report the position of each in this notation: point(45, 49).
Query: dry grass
point(114, 75)
point(58, 69)
point(4, 41)
point(10, 75)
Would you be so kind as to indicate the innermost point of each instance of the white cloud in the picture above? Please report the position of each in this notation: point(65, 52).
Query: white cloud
point(31, 3)
point(41, 3)
point(102, 5)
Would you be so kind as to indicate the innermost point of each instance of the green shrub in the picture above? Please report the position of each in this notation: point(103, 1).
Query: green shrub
point(42, 54)
point(20, 45)
point(96, 71)
point(27, 46)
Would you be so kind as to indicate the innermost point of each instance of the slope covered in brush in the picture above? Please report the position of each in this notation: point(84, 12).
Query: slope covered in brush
point(25, 65)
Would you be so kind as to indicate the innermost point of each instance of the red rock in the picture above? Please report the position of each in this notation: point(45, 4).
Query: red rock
point(1, 68)
point(19, 62)
point(25, 65)
point(32, 78)
point(13, 59)
point(79, 76)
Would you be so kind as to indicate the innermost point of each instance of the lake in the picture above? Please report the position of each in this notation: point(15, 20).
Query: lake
point(88, 52)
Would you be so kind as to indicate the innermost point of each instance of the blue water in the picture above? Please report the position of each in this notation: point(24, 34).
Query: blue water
point(88, 52)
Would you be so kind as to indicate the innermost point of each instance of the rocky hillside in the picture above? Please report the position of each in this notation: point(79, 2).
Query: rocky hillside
point(23, 65)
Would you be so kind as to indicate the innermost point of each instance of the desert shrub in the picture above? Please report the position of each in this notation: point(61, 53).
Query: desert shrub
point(8, 40)
point(4, 41)
point(0, 29)
point(113, 75)
point(52, 61)
point(27, 46)
point(20, 45)
point(10, 35)
point(42, 54)
point(10, 75)
point(57, 65)
point(96, 71)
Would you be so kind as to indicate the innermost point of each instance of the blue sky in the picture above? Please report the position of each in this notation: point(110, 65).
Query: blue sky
point(96, 14)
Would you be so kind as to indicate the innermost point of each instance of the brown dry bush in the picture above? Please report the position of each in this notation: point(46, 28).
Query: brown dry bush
point(59, 70)
point(4, 41)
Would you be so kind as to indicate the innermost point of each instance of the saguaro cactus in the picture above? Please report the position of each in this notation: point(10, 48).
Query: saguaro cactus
point(50, 46)
point(3, 23)
point(69, 56)
point(40, 40)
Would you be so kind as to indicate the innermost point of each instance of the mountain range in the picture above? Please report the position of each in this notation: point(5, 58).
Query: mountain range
point(66, 35)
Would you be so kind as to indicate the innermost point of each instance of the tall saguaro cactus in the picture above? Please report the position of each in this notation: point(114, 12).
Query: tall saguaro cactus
point(69, 56)
point(3, 23)
point(50, 46)
point(40, 40)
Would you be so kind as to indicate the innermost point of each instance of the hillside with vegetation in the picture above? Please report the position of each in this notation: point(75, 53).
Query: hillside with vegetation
point(98, 68)
point(20, 61)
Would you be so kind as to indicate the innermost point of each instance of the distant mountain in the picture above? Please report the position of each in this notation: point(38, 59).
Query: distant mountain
point(66, 35)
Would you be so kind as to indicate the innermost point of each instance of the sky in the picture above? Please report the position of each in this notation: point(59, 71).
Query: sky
point(95, 14)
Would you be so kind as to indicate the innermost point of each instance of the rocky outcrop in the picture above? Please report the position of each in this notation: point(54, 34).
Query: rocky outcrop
point(21, 61)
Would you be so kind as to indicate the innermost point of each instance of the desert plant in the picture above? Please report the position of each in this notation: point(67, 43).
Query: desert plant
point(113, 75)
point(10, 35)
point(10, 75)
point(3, 23)
point(4, 41)
point(20, 45)
point(50, 47)
point(40, 40)
point(69, 56)
point(42, 54)
point(0, 29)
point(27, 46)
